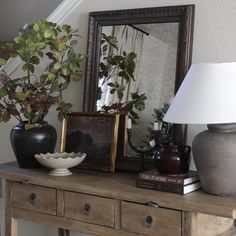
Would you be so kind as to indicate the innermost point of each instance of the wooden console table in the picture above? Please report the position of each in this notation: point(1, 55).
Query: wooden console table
point(103, 204)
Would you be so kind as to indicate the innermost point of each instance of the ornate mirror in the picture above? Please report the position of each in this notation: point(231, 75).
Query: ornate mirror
point(161, 38)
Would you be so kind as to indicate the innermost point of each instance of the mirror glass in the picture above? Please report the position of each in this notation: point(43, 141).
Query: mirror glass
point(155, 46)
point(161, 38)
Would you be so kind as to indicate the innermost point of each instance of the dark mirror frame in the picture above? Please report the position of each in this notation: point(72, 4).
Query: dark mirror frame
point(182, 14)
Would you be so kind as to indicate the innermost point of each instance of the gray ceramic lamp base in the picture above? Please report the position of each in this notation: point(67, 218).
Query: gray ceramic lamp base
point(214, 153)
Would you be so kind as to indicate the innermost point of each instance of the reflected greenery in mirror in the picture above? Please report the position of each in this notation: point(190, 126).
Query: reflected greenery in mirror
point(166, 129)
point(116, 72)
point(161, 38)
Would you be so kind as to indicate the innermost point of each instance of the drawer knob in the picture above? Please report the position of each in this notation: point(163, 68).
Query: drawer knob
point(87, 208)
point(32, 197)
point(148, 221)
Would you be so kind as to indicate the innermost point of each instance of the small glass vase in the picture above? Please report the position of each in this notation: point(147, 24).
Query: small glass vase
point(231, 231)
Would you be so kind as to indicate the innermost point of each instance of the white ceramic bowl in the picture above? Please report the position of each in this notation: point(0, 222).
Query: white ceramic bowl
point(60, 162)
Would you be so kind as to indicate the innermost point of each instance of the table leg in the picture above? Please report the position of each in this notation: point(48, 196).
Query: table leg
point(63, 232)
point(10, 222)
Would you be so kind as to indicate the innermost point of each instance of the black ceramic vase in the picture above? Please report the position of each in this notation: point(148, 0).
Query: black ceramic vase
point(27, 143)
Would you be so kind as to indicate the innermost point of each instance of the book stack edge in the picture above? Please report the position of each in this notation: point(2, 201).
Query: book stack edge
point(181, 184)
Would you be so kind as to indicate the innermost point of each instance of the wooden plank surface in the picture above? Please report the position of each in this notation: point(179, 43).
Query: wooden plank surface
point(69, 224)
point(44, 198)
point(100, 210)
point(10, 222)
point(164, 222)
point(60, 202)
point(122, 186)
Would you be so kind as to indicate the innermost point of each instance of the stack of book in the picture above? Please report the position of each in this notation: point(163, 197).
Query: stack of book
point(181, 184)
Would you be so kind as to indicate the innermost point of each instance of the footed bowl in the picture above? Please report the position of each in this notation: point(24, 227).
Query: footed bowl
point(60, 162)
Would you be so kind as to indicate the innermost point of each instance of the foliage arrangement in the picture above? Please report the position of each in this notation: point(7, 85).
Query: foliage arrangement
point(165, 128)
point(117, 70)
point(30, 96)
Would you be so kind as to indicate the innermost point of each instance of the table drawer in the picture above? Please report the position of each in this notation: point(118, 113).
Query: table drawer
point(35, 198)
point(149, 220)
point(89, 208)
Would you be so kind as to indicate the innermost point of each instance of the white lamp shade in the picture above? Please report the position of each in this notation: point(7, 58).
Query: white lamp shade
point(207, 95)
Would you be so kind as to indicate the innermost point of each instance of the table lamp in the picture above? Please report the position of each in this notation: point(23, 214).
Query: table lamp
point(207, 95)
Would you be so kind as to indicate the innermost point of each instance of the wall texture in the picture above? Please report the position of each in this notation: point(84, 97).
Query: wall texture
point(14, 14)
point(214, 41)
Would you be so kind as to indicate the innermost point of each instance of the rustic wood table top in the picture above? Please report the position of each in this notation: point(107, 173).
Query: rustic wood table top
point(122, 186)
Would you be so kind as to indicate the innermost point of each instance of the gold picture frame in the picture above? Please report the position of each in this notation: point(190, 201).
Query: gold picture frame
point(94, 134)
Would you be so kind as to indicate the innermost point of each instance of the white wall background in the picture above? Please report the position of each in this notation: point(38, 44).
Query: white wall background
point(14, 14)
point(214, 41)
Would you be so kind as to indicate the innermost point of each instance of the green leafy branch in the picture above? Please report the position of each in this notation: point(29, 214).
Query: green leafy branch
point(165, 135)
point(119, 70)
point(30, 97)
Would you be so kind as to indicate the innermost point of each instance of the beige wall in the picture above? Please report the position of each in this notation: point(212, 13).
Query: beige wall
point(214, 41)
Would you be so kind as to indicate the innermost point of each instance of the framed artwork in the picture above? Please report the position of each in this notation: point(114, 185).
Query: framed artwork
point(94, 134)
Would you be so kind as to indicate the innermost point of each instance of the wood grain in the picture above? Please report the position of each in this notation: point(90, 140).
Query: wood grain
point(165, 222)
point(122, 186)
point(10, 222)
point(44, 198)
point(63, 232)
point(74, 225)
point(189, 224)
point(117, 207)
point(101, 210)
point(117, 214)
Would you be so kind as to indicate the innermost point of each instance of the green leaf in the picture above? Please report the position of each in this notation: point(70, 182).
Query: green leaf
point(3, 92)
point(104, 48)
point(51, 76)
point(58, 56)
point(34, 60)
point(111, 84)
point(65, 71)
point(32, 47)
point(24, 54)
point(129, 106)
point(2, 62)
point(67, 107)
point(63, 86)
point(41, 45)
point(120, 95)
point(25, 67)
point(60, 115)
point(6, 116)
point(31, 68)
point(80, 58)
point(122, 73)
point(21, 96)
point(57, 66)
point(47, 33)
point(76, 76)
point(112, 91)
point(54, 86)
point(131, 56)
point(36, 27)
point(73, 67)
point(35, 120)
point(36, 93)
point(18, 39)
